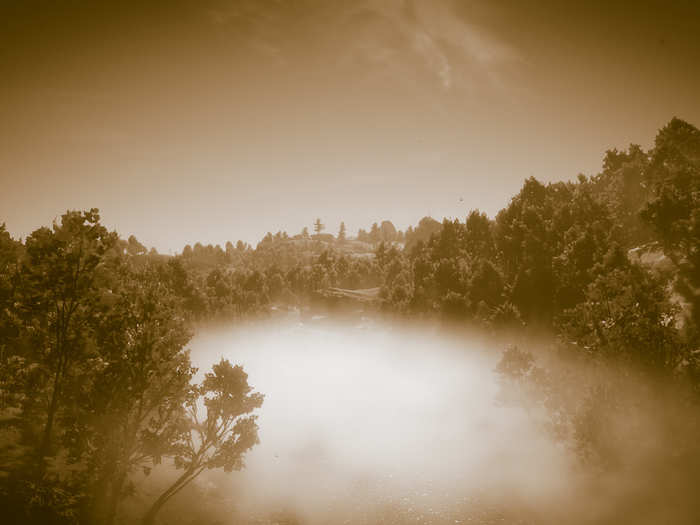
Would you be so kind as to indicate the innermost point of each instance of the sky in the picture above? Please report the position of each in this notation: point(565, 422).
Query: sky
point(207, 121)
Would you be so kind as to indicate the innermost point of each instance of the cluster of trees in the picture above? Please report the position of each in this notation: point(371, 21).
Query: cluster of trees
point(275, 273)
point(385, 232)
point(613, 269)
point(238, 254)
point(96, 384)
point(241, 281)
point(558, 250)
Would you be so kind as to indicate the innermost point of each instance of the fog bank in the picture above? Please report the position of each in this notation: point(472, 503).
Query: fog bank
point(372, 422)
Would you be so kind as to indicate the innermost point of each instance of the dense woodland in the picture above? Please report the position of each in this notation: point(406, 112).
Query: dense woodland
point(97, 387)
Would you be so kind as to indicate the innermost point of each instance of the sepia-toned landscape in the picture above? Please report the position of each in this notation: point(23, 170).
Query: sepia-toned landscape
point(369, 262)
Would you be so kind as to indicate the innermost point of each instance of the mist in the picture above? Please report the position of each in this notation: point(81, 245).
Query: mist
point(370, 418)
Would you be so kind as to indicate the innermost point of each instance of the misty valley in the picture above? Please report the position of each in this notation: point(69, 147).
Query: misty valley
point(378, 422)
point(541, 366)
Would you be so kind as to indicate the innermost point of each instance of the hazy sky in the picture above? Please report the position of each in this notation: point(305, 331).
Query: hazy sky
point(222, 120)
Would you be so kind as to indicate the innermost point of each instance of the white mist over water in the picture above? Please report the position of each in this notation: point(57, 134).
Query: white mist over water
point(362, 418)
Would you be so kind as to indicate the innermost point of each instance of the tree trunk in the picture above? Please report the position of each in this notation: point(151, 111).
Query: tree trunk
point(114, 498)
point(150, 517)
point(181, 482)
point(45, 447)
point(96, 512)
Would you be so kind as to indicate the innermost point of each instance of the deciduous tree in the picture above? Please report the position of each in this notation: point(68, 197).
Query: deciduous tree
point(222, 437)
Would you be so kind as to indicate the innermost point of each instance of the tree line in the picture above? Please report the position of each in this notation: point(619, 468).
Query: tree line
point(607, 258)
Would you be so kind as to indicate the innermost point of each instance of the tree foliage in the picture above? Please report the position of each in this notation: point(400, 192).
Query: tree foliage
point(95, 379)
point(222, 437)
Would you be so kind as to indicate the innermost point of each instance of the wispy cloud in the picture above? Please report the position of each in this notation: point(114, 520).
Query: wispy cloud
point(402, 35)
point(450, 47)
point(437, 61)
point(438, 31)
